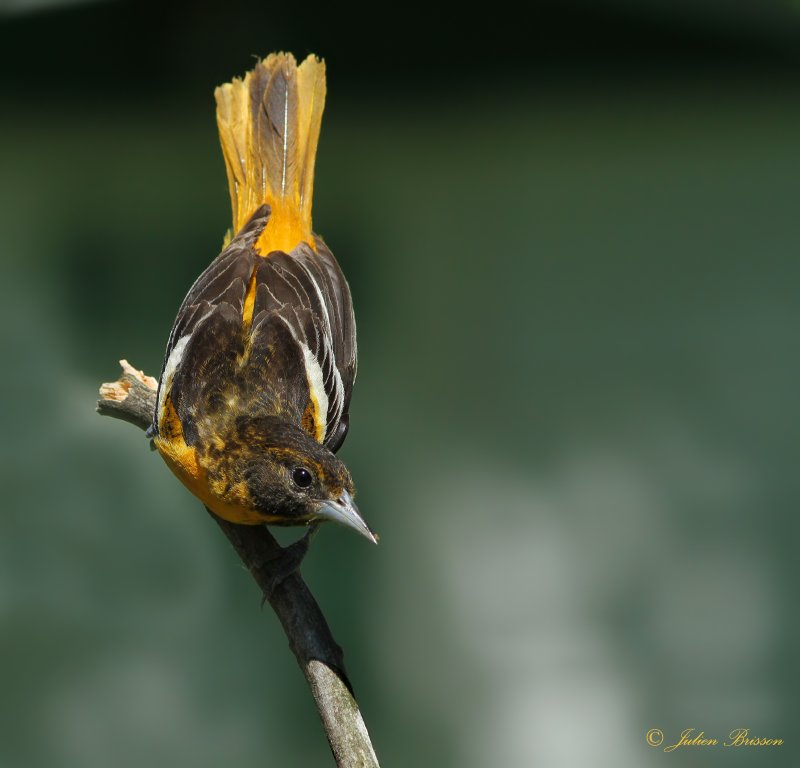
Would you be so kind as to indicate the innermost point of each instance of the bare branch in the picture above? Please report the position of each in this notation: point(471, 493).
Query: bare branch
point(132, 398)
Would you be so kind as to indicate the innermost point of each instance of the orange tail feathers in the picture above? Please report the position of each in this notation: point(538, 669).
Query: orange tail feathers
point(269, 123)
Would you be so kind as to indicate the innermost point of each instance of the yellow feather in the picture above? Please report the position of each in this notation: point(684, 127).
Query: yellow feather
point(269, 123)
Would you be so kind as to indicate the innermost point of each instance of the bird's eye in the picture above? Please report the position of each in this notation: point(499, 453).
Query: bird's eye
point(302, 477)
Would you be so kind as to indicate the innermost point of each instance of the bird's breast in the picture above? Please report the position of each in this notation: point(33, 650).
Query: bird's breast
point(210, 478)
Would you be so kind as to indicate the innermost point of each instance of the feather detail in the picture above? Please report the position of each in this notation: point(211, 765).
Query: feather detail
point(310, 104)
point(269, 124)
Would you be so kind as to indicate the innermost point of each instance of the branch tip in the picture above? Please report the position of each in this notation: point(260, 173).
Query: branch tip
point(129, 370)
point(115, 390)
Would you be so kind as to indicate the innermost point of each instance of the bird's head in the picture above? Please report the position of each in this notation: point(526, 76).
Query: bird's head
point(292, 479)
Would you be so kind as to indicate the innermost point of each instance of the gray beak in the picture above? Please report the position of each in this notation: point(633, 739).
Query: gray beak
point(345, 512)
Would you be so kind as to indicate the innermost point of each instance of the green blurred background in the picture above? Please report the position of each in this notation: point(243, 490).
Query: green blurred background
point(572, 239)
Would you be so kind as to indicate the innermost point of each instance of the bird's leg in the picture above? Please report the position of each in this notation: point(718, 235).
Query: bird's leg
point(288, 561)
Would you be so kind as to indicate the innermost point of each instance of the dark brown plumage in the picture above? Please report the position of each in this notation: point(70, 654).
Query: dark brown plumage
point(259, 369)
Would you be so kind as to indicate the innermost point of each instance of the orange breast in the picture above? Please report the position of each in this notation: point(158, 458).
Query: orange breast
point(185, 463)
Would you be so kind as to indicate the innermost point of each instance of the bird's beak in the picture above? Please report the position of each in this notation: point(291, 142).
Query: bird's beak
point(345, 512)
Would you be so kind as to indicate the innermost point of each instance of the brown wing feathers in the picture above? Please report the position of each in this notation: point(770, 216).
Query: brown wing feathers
point(308, 292)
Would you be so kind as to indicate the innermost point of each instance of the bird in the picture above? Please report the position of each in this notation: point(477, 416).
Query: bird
point(254, 393)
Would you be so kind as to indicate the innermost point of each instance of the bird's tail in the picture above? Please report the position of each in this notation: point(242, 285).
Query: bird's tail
point(269, 125)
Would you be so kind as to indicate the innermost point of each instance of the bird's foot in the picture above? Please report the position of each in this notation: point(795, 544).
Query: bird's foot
point(287, 562)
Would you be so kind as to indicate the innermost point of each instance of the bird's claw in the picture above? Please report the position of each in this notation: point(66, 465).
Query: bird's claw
point(287, 562)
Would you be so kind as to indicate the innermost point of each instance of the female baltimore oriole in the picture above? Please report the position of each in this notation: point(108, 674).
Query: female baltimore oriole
point(254, 392)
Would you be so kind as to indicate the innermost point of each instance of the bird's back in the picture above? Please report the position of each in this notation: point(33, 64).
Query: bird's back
point(268, 328)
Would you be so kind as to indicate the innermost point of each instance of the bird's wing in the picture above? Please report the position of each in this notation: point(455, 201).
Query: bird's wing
point(208, 325)
point(306, 293)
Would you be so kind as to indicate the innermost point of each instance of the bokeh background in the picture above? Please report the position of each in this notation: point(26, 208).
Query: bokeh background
point(572, 235)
